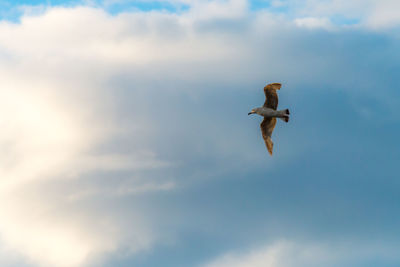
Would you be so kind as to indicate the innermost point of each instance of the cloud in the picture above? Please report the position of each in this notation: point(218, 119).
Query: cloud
point(286, 253)
point(372, 14)
point(268, 257)
point(314, 23)
point(44, 141)
point(55, 119)
point(384, 14)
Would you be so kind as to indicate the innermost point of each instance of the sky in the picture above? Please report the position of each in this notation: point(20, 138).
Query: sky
point(125, 137)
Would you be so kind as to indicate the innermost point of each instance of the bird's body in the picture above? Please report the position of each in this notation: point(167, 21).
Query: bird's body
point(269, 112)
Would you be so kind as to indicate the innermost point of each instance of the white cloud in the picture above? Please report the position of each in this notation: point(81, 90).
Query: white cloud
point(286, 253)
point(375, 14)
point(54, 116)
point(384, 14)
point(123, 190)
point(314, 23)
point(221, 9)
point(268, 257)
point(44, 138)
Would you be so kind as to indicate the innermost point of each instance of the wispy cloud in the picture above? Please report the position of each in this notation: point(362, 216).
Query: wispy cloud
point(286, 253)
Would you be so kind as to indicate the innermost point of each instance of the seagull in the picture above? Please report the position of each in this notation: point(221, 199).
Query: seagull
point(269, 112)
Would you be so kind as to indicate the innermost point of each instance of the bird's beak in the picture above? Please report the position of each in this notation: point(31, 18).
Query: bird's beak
point(250, 113)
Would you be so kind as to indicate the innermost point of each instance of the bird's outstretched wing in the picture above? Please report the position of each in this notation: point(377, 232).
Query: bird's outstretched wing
point(267, 127)
point(271, 97)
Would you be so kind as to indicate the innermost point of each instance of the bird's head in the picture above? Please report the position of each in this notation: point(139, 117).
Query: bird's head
point(252, 112)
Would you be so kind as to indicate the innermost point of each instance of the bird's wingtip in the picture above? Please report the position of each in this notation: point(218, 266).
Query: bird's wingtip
point(270, 145)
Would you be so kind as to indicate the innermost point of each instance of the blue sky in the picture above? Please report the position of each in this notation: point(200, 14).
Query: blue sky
point(13, 10)
point(126, 139)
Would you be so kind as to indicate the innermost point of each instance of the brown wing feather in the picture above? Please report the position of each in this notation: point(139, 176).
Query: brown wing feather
point(267, 127)
point(271, 97)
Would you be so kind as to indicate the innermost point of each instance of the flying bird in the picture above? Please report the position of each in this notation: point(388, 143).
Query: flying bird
point(269, 112)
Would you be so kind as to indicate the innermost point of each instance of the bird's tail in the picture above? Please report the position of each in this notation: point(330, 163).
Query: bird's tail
point(285, 118)
point(285, 115)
